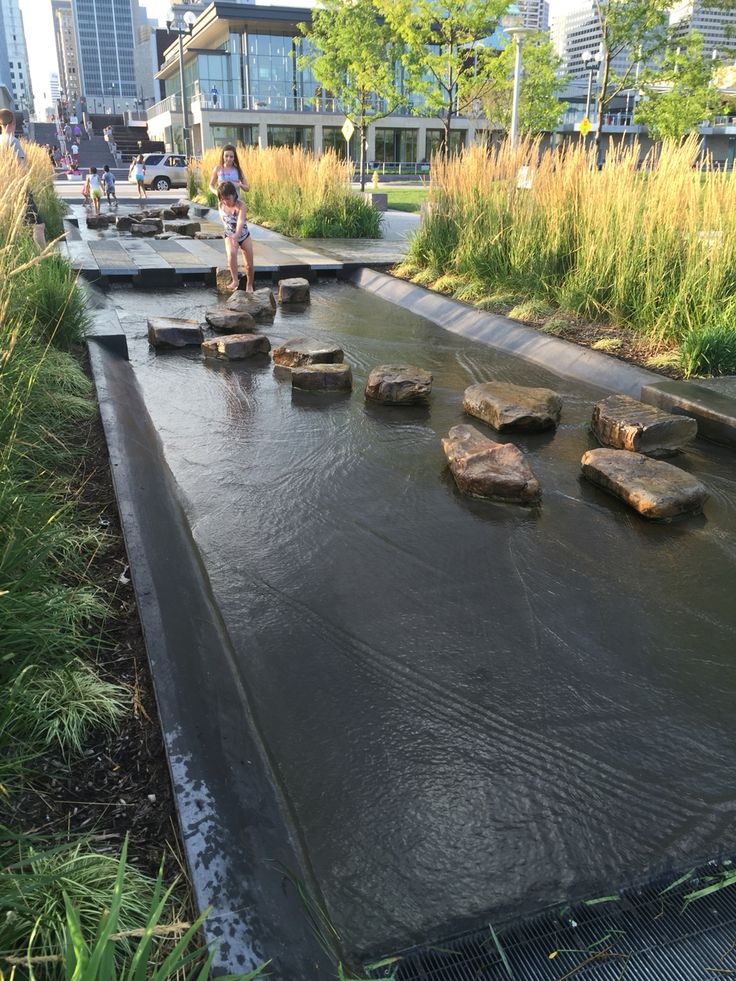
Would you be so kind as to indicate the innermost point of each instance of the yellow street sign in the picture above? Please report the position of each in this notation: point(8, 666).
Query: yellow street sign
point(585, 127)
point(347, 129)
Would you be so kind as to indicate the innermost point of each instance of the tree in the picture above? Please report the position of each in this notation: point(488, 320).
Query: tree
point(354, 54)
point(539, 107)
point(446, 50)
point(636, 29)
point(681, 95)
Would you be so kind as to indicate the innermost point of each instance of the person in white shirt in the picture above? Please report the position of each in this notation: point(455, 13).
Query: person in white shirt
point(9, 139)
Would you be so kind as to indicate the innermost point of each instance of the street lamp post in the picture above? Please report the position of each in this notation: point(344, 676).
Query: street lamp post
point(590, 62)
point(112, 89)
point(172, 25)
point(517, 35)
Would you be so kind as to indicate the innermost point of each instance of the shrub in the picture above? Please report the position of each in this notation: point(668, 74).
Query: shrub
point(709, 351)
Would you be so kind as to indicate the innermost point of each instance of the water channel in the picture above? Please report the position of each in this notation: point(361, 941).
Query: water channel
point(473, 710)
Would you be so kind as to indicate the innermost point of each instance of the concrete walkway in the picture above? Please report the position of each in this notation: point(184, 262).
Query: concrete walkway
point(109, 256)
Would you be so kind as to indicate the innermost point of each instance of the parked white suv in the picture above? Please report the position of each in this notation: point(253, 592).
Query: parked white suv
point(165, 170)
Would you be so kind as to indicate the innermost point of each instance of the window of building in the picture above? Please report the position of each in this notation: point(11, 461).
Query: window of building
point(396, 145)
point(247, 135)
point(435, 137)
point(302, 136)
point(332, 139)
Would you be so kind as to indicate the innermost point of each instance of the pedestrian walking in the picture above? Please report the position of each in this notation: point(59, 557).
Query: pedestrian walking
point(137, 173)
point(74, 149)
point(108, 185)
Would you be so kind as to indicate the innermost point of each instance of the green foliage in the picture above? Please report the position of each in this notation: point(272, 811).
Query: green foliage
point(194, 180)
point(91, 917)
point(62, 706)
point(354, 55)
point(540, 109)
point(709, 351)
point(687, 99)
point(445, 51)
point(47, 298)
point(351, 217)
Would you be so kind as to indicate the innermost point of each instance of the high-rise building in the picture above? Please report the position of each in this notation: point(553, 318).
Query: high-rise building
point(535, 14)
point(105, 36)
point(54, 88)
point(146, 60)
point(6, 89)
point(17, 59)
point(576, 33)
point(66, 49)
point(718, 27)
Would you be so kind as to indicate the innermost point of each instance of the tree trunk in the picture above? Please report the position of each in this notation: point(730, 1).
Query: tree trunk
point(363, 129)
point(601, 103)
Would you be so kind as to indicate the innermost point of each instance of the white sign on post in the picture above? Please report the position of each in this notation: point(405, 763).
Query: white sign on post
point(347, 130)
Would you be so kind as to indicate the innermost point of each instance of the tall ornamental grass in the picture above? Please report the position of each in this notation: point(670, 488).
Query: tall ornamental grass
point(648, 245)
point(298, 194)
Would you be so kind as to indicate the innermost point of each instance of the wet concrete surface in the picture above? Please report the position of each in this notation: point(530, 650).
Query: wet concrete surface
point(471, 709)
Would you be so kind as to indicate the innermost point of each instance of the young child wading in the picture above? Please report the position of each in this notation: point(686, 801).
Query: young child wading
point(237, 235)
point(93, 187)
point(108, 185)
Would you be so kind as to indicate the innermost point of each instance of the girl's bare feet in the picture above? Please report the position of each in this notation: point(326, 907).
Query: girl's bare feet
point(232, 286)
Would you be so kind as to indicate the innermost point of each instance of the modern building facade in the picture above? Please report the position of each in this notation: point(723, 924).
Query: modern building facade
point(242, 82)
point(17, 56)
point(6, 89)
point(67, 55)
point(535, 14)
point(106, 41)
point(575, 33)
point(718, 27)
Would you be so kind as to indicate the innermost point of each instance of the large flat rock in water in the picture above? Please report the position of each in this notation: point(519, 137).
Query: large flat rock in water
point(229, 321)
point(513, 407)
point(173, 332)
point(399, 384)
point(294, 290)
point(307, 350)
point(626, 424)
point(651, 487)
point(485, 468)
point(322, 377)
point(236, 347)
point(261, 304)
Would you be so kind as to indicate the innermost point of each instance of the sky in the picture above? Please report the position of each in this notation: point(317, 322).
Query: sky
point(39, 30)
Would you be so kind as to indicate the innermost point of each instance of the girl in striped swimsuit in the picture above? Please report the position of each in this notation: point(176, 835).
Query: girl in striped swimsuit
point(237, 235)
point(229, 169)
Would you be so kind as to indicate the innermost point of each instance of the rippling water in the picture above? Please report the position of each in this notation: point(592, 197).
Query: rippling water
point(473, 709)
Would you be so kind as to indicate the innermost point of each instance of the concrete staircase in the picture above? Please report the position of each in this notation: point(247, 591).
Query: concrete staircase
point(94, 153)
point(44, 133)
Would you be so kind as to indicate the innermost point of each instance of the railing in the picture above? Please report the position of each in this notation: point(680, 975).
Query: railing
point(285, 103)
point(397, 167)
point(573, 117)
point(169, 104)
point(722, 121)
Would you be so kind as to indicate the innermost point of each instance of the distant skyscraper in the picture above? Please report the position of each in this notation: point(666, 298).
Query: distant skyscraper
point(106, 41)
point(54, 88)
point(6, 89)
point(535, 14)
point(577, 32)
point(17, 58)
point(66, 49)
point(716, 26)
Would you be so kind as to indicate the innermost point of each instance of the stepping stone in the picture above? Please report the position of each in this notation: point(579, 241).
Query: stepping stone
point(229, 321)
point(124, 223)
point(180, 209)
point(625, 424)
point(168, 214)
point(98, 221)
point(651, 487)
point(173, 332)
point(294, 290)
point(399, 384)
point(261, 304)
point(508, 407)
point(484, 468)
point(306, 350)
point(322, 378)
point(235, 347)
point(152, 213)
point(153, 223)
point(137, 215)
point(146, 230)
point(207, 236)
point(188, 228)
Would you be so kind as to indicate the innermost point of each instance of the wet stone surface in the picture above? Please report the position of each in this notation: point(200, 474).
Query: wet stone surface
point(624, 423)
point(173, 332)
point(399, 384)
point(306, 350)
point(235, 347)
point(475, 709)
point(229, 321)
point(513, 407)
point(261, 304)
point(322, 377)
point(485, 468)
point(294, 290)
point(651, 487)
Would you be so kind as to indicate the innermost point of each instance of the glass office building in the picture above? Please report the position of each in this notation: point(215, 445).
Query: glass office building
point(105, 44)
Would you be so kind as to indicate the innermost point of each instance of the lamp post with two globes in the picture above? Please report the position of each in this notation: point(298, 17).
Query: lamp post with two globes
point(173, 24)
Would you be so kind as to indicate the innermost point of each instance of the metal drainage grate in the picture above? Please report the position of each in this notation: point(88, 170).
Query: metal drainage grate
point(652, 934)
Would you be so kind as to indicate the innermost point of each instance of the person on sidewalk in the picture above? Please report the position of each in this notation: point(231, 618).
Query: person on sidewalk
point(75, 154)
point(9, 139)
point(137, 173)
point(236, 234)
point(94, 188)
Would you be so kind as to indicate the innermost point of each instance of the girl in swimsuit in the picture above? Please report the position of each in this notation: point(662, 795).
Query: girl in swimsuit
point(229, 169)
point(237, 235)
point(137, 173)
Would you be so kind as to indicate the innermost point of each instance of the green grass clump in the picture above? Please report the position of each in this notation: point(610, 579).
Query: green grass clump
point(607, 344)
point(709, 351)
point(531, 311)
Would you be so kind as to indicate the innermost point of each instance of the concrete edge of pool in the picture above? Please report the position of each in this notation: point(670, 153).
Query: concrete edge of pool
point(231, 814)
point(235, 822)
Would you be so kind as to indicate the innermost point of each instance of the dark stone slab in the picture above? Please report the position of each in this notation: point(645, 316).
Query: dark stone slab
point(322, 378)
point(399, 384)
point(307, 350)
point(509, 407)
point(484, 468)
point(173, 332)
point(711, 402)
point(626, 424)
point(235, 347)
